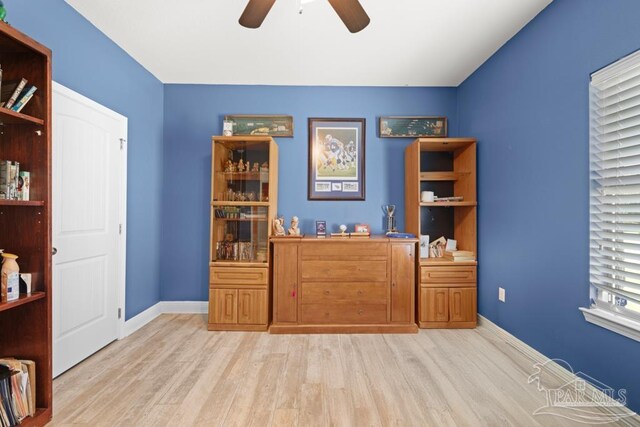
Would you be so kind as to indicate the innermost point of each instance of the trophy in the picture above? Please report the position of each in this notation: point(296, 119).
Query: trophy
point(390, 219)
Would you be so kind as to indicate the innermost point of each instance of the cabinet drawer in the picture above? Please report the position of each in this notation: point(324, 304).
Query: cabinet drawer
point(360, 271)
point(343, 250)
point(336, 314)
point(344, 292)
point(462, 274)
point(238, 276)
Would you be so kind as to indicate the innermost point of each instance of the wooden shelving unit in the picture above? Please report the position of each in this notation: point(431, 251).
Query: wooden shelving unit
point(239, 274)
point(25, 226)
point(446, 291)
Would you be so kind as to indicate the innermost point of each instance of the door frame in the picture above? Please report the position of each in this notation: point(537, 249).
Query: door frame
point(122, 214)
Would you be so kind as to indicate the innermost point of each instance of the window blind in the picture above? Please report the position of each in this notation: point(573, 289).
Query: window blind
point(615, 187)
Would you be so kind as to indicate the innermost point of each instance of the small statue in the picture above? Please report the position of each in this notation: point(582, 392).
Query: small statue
point(240, 166)
point(233, 166)
point(343, 229)
point(278, 227)
point(256, 167)
point(229, 166)
point(264, 167)
point(294, 230)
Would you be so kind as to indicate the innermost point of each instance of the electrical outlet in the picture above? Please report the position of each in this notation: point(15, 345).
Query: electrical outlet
point(502, 294)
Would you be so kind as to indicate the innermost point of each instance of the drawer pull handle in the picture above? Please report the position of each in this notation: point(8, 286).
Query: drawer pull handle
point(361, 311)
point(359, 293)
point(327, 292)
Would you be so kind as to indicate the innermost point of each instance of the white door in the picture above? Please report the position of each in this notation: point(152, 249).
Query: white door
point(89, 182)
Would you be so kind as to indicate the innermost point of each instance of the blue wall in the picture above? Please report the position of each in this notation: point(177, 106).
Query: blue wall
point(528, 107)
point(85, 60)
point(188, 130)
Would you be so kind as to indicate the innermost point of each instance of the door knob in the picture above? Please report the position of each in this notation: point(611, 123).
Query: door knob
point(54, 251)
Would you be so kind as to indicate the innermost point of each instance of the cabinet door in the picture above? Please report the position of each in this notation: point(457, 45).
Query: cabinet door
point(434, 304)
point(225, 306)
point(285, 283)
point(462, 304)
point(252, 306)
point(402, 282)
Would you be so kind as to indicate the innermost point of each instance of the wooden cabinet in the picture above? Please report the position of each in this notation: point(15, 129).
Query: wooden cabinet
point(225, 306)
point(252, 306)
point(343, 285)
point(244, 194)
point(25, 225)
point(285, 273)
point(402, 271)
point(434, 305)
point(447, 307)
point(446, 166)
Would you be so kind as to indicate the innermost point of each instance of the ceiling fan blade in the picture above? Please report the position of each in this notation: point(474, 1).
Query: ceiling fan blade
point(352, 14)
point(255, 12)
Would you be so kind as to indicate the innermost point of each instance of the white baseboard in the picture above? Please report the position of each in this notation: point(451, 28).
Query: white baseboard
point(163, 307)
point(560, 372)
point(188, 307)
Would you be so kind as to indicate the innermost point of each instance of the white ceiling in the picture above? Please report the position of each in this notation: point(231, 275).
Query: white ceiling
point(408, 43)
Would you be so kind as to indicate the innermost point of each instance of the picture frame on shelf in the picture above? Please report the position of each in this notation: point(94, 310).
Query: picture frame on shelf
point(413, 127)
point(321, 229)
point(261, 125)
point(336, 159)
point(362, 228)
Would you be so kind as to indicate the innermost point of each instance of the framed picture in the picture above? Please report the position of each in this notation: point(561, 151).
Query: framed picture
point(413, 127)
point(336, 159)
point(362, 228)
point(261, 125)
point(321, 228)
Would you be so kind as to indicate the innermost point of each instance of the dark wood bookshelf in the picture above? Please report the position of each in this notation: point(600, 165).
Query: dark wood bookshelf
point(25, 226)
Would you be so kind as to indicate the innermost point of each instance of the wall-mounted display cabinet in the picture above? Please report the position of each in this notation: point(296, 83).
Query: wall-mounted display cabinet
point(244, 200)
point(446, 290)
point(25, 225)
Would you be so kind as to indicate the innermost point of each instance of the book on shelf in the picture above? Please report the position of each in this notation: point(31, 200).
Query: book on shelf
point(17, 390)
point(360, 234)
point(12, 91)
point(449, 199)
point(24, 98)
point(460, 256)
point(9, 174)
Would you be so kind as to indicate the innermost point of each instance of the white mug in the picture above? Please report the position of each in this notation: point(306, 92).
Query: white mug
point(427, 196)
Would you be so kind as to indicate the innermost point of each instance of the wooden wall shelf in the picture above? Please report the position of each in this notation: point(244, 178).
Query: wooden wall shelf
point(11, 117)
point(448, 204)
point(24, 299)
point(240, 204)
point(21, 202)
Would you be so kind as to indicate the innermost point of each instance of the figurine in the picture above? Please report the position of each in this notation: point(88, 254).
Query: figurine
point(294, 230)
point(229, 166)
point(278, 227)
point(343, 229)
point(264, 167)
point(240, 166)
point(256, 167)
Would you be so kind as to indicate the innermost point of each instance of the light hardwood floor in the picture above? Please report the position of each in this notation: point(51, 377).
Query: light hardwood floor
point(174, 372)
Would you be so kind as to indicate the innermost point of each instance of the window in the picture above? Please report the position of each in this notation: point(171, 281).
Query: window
point(615, 197)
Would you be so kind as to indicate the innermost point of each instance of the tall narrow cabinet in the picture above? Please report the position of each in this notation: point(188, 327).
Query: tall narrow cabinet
point(244, 200)
point(25, 226)
point(446, 290)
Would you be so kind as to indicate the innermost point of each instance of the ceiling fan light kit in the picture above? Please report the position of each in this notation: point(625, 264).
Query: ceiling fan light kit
point(351, 12)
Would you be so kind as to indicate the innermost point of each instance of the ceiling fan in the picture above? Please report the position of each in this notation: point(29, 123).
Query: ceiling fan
point(350, 11)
